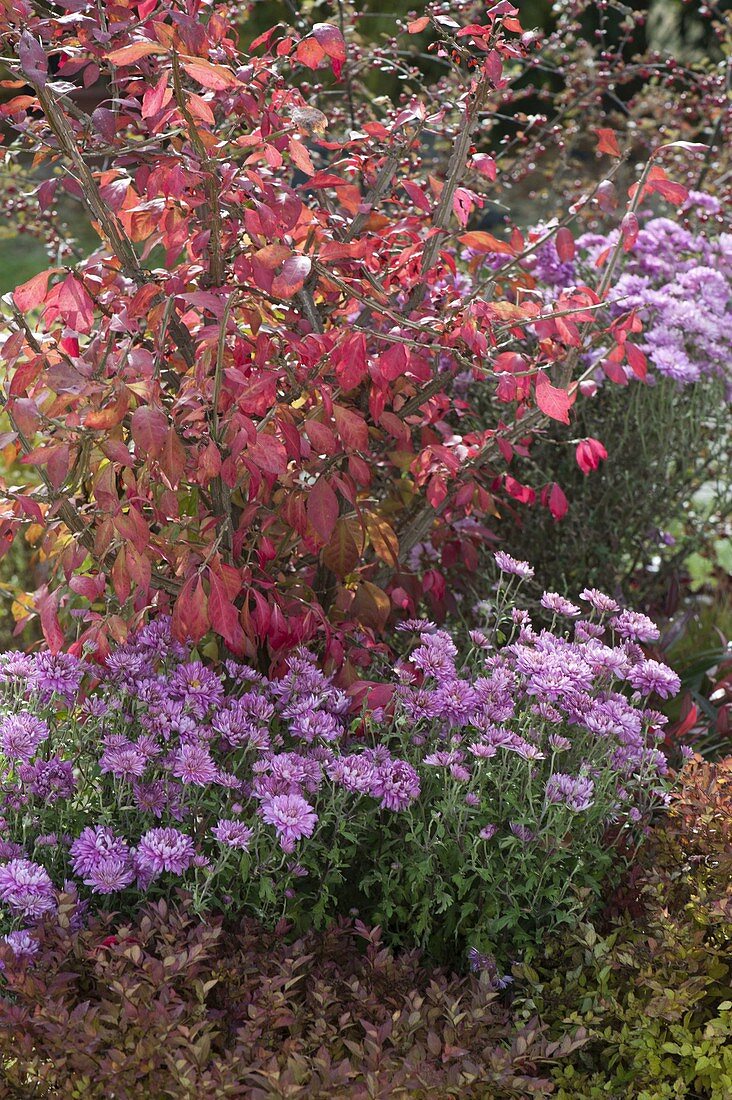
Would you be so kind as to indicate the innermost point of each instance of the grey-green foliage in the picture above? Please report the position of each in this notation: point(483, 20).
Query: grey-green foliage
point(667, 471)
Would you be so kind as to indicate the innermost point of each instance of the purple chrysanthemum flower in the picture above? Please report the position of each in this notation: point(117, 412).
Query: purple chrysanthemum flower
point(150, 798)
point(488, 832)
point(197, 687)
point(110, 874)
point(602, 603)
point(95, 844)
point(234, 834)
point(122, 758)
point(397, 784)
point(21, 734)
point(507, 564)
point(574, 791)
point(57, 674)
point(194, 764)
point(552, 601)
point(559, 743)
point(354, 772)
point(292, 817)
point(635, 626)
point(23, 944)
point(164, 849)
point(48, 780)
point(652, 676)
point(26, 888)
point(521, 832)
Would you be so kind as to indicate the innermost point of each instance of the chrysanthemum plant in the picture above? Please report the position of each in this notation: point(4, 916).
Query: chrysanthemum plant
point(481, 806)
point(240, 408)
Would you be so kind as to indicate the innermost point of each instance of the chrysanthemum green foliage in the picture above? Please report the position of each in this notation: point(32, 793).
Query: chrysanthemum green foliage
point(470, 810)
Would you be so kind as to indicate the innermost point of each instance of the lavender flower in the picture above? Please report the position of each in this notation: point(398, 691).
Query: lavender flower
point(507, 564)
point(21, 734)
point(23, 944)
point(396, 784)
point(232, 833)
point(26, 888)
point(575, 792)
point(292, 817)
point(652, 676)
point(164, 849)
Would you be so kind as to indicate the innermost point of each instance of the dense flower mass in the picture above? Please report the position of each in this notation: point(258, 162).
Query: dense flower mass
point(155, 770)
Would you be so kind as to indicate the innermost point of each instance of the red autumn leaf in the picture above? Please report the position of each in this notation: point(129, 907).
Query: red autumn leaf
point(352, 428)
point(47, 604)
point(330, 40)
point(553, 401)
point(418, 25)
point(72, 302)
point(205, 73)
point(322, 509)
point(629, 230)
point(224, 615)
point(608, 143)
point(484, 164)
point(172, 459)
point(33, 60)
point(32, 293)
point(128, 55)
point(268, 454)
point(558, 505)
point(310, 54)
point(291, 275)
point(190, 614)
point(480, 241)
point(637, 360)
point(371, 606)
point(564, 242)
point(590, 453)
point(149, 427)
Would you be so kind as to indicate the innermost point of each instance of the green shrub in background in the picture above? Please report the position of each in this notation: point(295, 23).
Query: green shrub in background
point(660, 493)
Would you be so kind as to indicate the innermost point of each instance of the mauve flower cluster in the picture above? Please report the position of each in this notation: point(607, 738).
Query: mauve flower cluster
point(679, 280)
point(155, 769)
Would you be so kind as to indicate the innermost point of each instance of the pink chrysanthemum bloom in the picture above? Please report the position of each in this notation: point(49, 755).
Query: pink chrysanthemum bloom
point(635, 626)
point(21, 734)
point(507, 564)
point(598, 600)
point(194, 764)
point(26, 888)
point(397, 785)
point(652, 676)
point(24, 945)
point(164, 849)
point(552, 601)
point(292, 817)
point(111, 874)
point(233, 833)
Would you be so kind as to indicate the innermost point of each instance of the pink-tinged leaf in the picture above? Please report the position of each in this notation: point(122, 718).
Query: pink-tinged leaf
point(371, 606)
point(352, 428)
point(190, 614)
point(47, 604)
point(462, 205)
point(216, 77)
point(637, 360)
point(350, 361)
point(291, 276)
point(73, 304)
point(33, 60)
point(300, 157)
point(91, 588)
point(149, 427)
point(480, 241)
point(156, 98)
point(31, 294)
point(608, 143)
point(394, 363)
point(310, 54)
point(321, 437)
point(268, 454)
point(224, 615)
point(330, 40)
point(484, 164)
point(322, 509)
point(105, 123)
point(418, 25)
point(558, 505)
point(524, 494)
point(614, 372)
point(629, 229)
point(553, 401)
point(688, 146)
point(564, 242)
point(589, 454)
point(172, 459)
point(128, 55)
